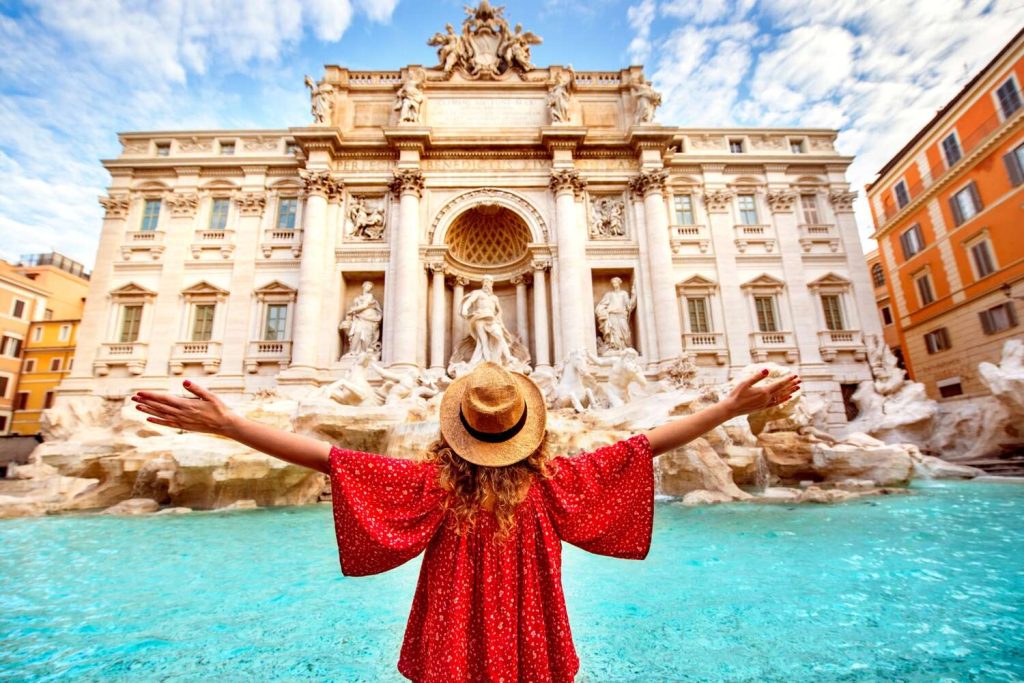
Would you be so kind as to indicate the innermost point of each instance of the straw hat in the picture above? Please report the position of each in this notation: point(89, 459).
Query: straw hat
point(493, 417)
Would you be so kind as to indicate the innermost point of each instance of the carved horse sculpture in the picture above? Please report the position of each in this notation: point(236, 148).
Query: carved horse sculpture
point(576, 384)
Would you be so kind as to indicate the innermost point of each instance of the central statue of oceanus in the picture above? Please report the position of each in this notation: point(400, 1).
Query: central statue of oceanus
point(488, 339)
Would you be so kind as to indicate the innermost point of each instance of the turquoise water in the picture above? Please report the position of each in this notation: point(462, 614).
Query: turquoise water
point(924, 587)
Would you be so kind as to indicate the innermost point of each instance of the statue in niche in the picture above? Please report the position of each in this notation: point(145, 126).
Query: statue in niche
point(625, 371)
point(613, 318)
point(488, 337)
point(560, 96)
point(367, 222)
point(647, 100)
point(516, 50)
point(320, 100)
point(362, 324)
point(450, 49)
point(410, 97)
point(607, 219)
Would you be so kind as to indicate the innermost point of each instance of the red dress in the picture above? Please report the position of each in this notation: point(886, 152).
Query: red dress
point(482, 611)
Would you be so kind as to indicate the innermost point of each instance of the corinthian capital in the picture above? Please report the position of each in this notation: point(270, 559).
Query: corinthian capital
point(251, 203)
point(780, 201)
point(115, 206)
point(718, 200)
point(647, 182)
point(182, 205)
point(567, 179)
point(319, 183)
point(842, 200)
point(408, 180)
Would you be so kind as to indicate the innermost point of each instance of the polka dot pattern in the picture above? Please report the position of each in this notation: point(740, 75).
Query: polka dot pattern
point(485, 611)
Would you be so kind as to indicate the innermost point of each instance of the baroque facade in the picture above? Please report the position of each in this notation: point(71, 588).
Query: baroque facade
point(275, 258)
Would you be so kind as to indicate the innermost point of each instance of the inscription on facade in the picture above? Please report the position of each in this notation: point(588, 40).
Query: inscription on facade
point(504, 112)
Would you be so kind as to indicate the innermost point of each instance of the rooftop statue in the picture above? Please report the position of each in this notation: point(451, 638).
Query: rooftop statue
point(487, 47)
point(320, 101)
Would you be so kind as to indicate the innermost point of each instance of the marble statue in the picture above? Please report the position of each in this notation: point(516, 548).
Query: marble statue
point(607, 218)
point(450, 49)
point(625, 371)
point(576, 385)
point(320, 101)
point(560, 96)
point(482, 312)
point(647, 100)
point(1006, 380)
point(405, 386)
point(367, 222)
point(354, 389)
point(362, 324)
point(410, 98)
point(613, 318)
point(516, 50)
point(888, 375)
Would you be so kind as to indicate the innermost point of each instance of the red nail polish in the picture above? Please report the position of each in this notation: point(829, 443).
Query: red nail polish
point(187, 383)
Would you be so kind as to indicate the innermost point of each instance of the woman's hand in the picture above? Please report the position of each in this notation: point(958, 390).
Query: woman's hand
point(748, 397)
point(204, 413)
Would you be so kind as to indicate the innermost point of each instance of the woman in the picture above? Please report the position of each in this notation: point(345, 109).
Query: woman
point(489, 507)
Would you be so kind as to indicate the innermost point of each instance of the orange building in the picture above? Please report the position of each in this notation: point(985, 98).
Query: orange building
point(949, 211)
point(22, 300)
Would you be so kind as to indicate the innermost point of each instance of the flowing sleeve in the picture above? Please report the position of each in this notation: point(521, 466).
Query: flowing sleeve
point(386, 510)
point(603, 501)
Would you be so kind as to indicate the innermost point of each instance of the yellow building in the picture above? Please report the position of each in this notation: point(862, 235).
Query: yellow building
point(47, 358)
point(41, 302)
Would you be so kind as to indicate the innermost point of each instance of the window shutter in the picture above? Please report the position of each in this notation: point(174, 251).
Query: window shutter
point(986, 322)
point(1011, 313)
point(975, 196)
point(957, 216)
point(903, 245)
point(1013, 168)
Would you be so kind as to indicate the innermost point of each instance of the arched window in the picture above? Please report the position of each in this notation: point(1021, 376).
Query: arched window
point(878, 275)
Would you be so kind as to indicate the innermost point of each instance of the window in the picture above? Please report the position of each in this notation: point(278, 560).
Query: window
point(3, 428)
point(949, 387)
point(227, 148)
point(981, 258)
point(277, 317)
point(833, 310)
point(131, 317)
point(10, 346)
point(877, 275)
point(1015, 165)
point(163, 149)
point(998, 318)
point(65, 332)
point(4, 383)
point(965, 204)
point(30, 365)
point(684, 209)
point(291, 148)
point(901, 194)
point(48, 314)
point(809, 208)
point(71, 363)
point(736, 146)
point(1009, 98)
point(912, 241)
point(219, 214)
point(697, 307)
point(797, 146)
point(22, 401)
point(951, 148)
point(150, 214)
point(37, 334)
point(202, 322)
point(925, 293)
point(937, 340)
point(48, 400)
point(286, 208)
point(886, 315)
point(748, 212)
point(18, 309)
point(767, 321)
point(55, 365)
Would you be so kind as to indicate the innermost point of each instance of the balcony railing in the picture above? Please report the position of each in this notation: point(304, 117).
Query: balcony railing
point(281, 238)
point(814, 233)
point(143, 241)
point(129, 354)
point(936, 172)
point(206, 353)
point(279, 352)
point(213, 239)
point(683, 235)
point(833, 341)
point(762, 344)
point(706, 344)
point(754, 234)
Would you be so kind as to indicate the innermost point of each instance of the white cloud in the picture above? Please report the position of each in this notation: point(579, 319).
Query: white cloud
point(875, 69)
point(640, 19)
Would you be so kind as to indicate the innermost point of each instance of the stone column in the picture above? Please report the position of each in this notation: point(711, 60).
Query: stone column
point(458, 291)
point(522, 328)
point(540, 313)
point(436, 316)
point(651, 186)
point(567, 184)
point(305, 332)
point(408, 185)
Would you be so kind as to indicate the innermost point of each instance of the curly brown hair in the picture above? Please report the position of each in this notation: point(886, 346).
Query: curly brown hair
point(468, 484)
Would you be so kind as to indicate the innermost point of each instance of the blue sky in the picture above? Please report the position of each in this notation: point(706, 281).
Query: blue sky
point(74, 73)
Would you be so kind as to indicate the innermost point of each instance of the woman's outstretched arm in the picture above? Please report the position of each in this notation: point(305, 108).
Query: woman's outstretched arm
point(745, 398)
point(207, 413)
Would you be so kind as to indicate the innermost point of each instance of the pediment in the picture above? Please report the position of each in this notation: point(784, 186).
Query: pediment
point(697, 282)
point(275, 287)
point(132, 290)
point(830, 280)
point(204, 287)
point(764, 280)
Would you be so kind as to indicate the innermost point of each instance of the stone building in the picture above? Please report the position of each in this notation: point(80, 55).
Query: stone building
point(948, 212)
point(241, 257)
